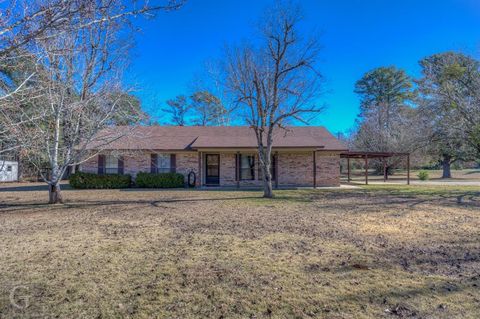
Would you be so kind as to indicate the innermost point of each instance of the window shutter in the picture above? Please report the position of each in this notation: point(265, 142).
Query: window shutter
point(120, 165)
point(237, 160)
point(260, 176)
point(173, 163)
point(251, 163)
point(101, 164)
point(153, 163)
point(275, 166)
point(236, 167)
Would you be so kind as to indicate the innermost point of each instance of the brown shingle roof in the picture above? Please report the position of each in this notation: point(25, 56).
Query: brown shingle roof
point(194, 137)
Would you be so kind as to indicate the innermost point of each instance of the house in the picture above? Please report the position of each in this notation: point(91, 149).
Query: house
point(222, 156)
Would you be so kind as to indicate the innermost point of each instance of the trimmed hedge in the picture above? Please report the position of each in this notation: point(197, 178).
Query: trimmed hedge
point(88, 180)
point(160, 180)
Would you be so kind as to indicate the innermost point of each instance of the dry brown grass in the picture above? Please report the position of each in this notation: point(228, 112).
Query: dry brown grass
point(400, 175)
point(366, 253)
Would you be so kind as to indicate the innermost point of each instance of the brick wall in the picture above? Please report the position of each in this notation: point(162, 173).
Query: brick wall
point(187, 162)
point(328, 169)
point(227, 169)
point(141, 161)
point(90, 166)
point(136, 163)
point(295, 168)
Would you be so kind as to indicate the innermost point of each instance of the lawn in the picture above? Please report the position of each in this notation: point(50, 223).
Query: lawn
point(372, 252)
point(461, 175)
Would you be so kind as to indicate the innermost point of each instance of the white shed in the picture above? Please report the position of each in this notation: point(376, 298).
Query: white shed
point(8, 171)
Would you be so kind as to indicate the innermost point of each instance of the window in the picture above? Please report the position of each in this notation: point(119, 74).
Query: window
point(247, 167)
point(111, 164)
point(163, 163)
point(272, 169)
point(9, 168)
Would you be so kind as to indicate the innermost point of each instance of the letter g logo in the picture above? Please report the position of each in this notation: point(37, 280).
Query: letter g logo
point(17, 299)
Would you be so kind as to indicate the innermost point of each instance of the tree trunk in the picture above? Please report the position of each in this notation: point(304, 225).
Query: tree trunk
point(54, 194)
point(265, 162)
point(446, 168)
point(267, 188)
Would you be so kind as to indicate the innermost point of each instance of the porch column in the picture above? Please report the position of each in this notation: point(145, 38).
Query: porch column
point(408, 169)
point(314, 169)
point(366, 169)
point(384, 170)
point(200, 169)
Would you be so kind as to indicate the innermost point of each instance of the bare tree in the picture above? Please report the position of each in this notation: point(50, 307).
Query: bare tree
point(209, 98)
point(25, 22)
point(74, 93)
point(178, 109)
point(387, 122)
point(276, 81)
point(209, 109)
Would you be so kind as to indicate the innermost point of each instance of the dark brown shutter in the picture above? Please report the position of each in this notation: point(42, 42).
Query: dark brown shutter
point(259, 169)
point(120, 165)
point(101, 164)
point(237, 160)
point(173, 163)
point(273, 166)
point(153, 162)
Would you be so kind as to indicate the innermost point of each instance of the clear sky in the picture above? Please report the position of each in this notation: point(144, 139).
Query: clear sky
point(357, 35)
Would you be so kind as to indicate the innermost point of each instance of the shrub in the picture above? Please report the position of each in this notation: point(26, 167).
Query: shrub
point(160, 180)
point(423, 175)
point(88, 180)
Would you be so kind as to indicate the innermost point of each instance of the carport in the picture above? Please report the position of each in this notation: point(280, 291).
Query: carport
point(374, 155)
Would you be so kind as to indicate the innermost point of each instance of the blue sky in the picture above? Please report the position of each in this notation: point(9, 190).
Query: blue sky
point(356, 35)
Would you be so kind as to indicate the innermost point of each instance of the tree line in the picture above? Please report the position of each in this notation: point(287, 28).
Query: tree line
point(435, 116)
point(202, 108)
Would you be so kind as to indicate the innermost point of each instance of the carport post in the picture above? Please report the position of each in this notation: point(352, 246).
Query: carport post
point(384, 170)
point(408, 169)
point(366, 169)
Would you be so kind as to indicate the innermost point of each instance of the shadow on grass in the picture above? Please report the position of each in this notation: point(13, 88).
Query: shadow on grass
point(32, 188)
point(85, 204)
point(367, 197)
point(475, 171)
point(414, 301)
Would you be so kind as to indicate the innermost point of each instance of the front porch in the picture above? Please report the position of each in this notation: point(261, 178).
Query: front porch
point(290, 169)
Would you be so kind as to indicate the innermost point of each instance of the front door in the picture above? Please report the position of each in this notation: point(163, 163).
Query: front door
point(212, 167)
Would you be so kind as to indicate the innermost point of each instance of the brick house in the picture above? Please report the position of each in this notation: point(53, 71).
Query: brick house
point(223, 156)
